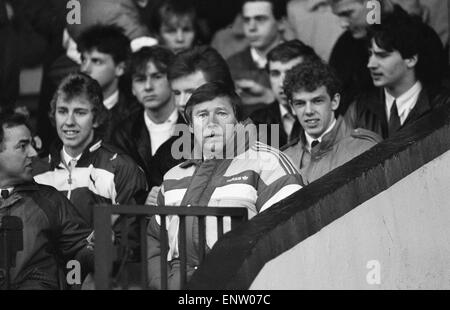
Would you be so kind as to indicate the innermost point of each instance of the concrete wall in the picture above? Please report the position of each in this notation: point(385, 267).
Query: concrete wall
point(399, 239)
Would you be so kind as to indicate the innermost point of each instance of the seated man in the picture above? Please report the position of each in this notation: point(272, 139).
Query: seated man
point(327, 143)
point(86, 170)
point(143, 132)
point(404, 71)
point(53, 231)
point(190, 69)
point(263, 26)
point(252, 175)
point(104, 50)
point(281, 59)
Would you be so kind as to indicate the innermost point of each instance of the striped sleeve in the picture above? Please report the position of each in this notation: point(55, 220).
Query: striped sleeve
point(278, 180)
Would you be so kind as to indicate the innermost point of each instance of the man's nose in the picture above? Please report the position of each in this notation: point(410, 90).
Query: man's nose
point(372, 63)
point(70, 119)
point(31, 151)
point(212, 119)
point(252, 25)
point(148, 83)
point(180, 35)
point(308, 108)
point(344, 22)
point(86, 67)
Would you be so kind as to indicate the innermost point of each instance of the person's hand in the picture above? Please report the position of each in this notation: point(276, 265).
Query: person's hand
point(252, 92)
point(152, 196)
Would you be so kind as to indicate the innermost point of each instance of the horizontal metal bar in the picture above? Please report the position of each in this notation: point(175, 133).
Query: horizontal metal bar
point(187, 211)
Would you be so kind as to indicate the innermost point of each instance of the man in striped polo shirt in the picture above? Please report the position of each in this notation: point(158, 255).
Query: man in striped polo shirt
point(225, 170)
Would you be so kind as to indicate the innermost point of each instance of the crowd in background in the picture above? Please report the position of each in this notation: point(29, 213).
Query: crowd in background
point(117, 86)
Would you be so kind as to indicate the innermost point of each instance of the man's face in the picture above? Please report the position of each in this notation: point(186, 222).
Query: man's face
point(260, 26)
point(75, 123)
point(315, 110)
point(184, 86)
point(16, 152)
point(213, 124)
point(151, 88)
point(102, 68)
point(277, 73)
point(353, 16)
point(178, 33)
point(388, 69)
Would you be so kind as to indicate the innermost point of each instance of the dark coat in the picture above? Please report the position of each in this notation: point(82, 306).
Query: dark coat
point(53, 233)
point(133, 138)
point(368, 111)
point(271, 115)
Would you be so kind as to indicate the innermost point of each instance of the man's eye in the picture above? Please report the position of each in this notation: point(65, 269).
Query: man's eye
point(61, 111)
point(138, 79)
point(222, 114)
point(202, 115)
point(176, 92)
point(81, 113)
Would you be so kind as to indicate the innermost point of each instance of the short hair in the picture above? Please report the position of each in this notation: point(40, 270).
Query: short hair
point(80, 85)
point(410, 36)
point(201, 58)
point(309, 76)
point(278, 7)
point(168, 8)
point(210, 91)
point(11, 119)
point(289, 50)
point(107, 39)
point(160, 56)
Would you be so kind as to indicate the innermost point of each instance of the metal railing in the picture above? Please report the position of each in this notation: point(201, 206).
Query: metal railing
point(104, 248)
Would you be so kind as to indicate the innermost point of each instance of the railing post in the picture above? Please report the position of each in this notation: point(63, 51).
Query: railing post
point(143, 242)
point(103, 247)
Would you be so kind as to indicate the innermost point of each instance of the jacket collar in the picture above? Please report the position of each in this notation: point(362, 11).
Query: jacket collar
point(55, 152)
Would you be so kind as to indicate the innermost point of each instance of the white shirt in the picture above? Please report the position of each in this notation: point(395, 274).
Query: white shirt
point(310, 139)
point(287, 118)
point(160, 133)
point(405, 102)
point(258, 59)
point(67, 158)
point(112, 100)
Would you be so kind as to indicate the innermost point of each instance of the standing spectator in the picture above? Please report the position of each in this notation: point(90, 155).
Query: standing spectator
point(406, 72)
point(105, 50)
point(350, 54)
point(263, 26)
point(281, 59)
point(176, 24)
point(141, 135)
point(327, 142)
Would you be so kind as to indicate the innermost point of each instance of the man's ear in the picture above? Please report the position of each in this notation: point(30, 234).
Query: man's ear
point(120, 69)
point(191, 129)
point(412, 61)
point(335, 101)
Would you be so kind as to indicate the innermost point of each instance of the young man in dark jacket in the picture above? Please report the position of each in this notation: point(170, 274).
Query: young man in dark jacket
point(53, 231)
